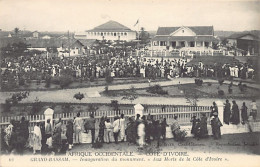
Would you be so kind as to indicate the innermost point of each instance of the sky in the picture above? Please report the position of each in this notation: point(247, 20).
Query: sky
point(81, 15)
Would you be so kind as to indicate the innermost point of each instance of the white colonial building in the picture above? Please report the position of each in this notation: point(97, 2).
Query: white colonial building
point(169, 38)
point(110, 30)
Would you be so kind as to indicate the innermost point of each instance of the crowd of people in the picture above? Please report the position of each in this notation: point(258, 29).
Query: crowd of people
point(231, 114)
point(116, 63)
point(62, 135)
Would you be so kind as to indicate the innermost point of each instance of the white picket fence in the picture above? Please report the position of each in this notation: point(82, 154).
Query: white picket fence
point(184, 114)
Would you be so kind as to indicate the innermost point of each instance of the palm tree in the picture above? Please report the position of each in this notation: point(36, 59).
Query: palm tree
point(16, 31)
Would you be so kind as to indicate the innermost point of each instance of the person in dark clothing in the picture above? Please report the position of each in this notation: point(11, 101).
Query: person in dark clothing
point(235, 114)
point(157, 132)
point(69, 133)
point(148, 131)
point(163, 128)
point(227, 112)
point(130, 131)
point(101, 129)
point(244, 113)
point(203, 126)
point(193, 121)
point(44, 138)
point(214, 109)
point(90, 125)
point(22, 135)
point(197, 129)
point(216, 124)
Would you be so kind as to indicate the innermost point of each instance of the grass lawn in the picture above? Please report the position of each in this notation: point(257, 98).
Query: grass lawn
point(192, 90)
point(84, 84)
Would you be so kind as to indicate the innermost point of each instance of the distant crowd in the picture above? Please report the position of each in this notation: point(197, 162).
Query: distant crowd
point(116, 63)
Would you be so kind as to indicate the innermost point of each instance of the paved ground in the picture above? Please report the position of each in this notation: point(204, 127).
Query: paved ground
point(244, 143)
point(231, 143)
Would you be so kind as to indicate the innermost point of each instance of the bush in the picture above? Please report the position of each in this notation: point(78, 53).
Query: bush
point(79, 96)
point(156, 89)
point(37, 106)
point(230, 90)
point(221, 92)
point(55, 80)
point(65, 81)
point(242, 87)
point(198, 82)
point(91, 79)
point(109, 79)
point(48, 81)
point(106, 89)
point(221, 81)
point(21, 81)
point(209, 84)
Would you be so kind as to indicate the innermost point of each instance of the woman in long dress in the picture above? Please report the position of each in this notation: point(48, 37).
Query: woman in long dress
point(244, 113)
point(130, 131)
point(37, 137)
point(203, 126)
point(235, 114)
point(193, 121)
point(216, 124)
point(227, 112)
point(122, 128)
point(175, 127)
point(101, 130)
point(78, 127)
point(69, 133)
point(56, 137)
point(253, 109)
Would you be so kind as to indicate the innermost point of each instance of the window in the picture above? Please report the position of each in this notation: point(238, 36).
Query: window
point(125, 34)
point(162, 43)
point(95, 33)
point(155, 43)
point(114, 34)
point(173, 44)
point(101, 33)
point(182, 43)
point(182, 31)
point(192, 44)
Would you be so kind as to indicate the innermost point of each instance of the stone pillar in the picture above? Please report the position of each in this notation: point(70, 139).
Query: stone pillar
point(49, 115)
point(139, 109)
point(220, 106)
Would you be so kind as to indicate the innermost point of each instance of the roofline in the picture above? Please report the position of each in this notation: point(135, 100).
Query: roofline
point(242, 35)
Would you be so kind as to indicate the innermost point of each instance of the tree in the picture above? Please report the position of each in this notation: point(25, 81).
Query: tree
point(144, 36)
point(14, 50)
point(16, 31)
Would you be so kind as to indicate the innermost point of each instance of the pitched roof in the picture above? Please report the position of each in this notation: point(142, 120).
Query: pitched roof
point(199, 30)
point(240, 35)
point(110, 26)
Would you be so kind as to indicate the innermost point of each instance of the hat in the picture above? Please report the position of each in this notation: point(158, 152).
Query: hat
point(215, 113)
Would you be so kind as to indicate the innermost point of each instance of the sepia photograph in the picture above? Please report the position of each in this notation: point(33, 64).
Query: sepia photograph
point(130, 83)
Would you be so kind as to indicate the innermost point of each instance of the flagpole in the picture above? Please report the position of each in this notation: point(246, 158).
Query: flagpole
point(138, 29)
